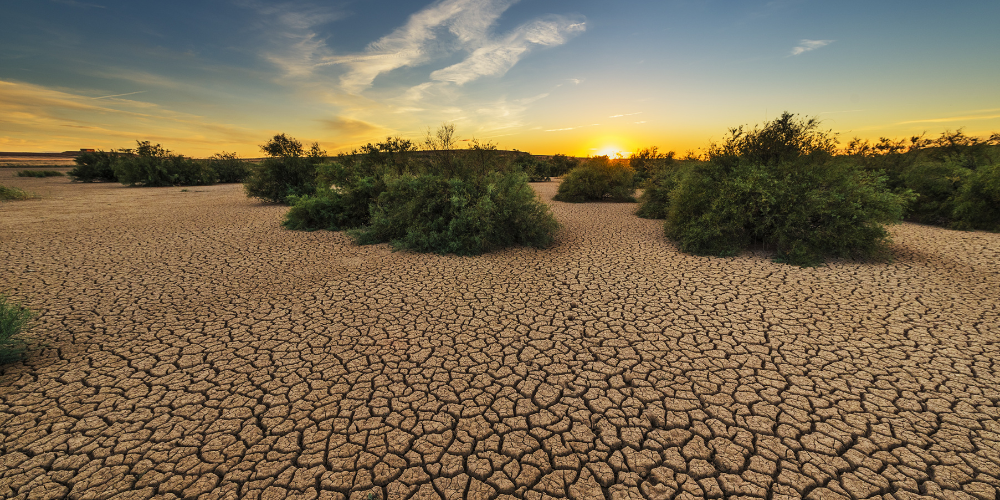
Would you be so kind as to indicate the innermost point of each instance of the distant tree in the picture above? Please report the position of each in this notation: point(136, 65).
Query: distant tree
point(282, 146)
point(442, 140)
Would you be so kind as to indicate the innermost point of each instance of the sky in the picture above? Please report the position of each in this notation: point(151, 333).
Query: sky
point(580, 77)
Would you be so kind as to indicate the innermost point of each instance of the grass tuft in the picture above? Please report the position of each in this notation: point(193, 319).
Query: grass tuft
point(40, 173)
point(15, 319)
point(12, 193)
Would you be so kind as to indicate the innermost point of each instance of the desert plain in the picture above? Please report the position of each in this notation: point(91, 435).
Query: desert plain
point(192, 348)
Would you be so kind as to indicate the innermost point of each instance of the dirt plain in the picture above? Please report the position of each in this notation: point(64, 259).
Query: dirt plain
point(195, 349)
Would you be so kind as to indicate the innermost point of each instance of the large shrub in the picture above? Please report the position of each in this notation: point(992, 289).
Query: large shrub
point(780, 186)
point(289, 171)
point(560, 165)
point(598, 179)
point(95, 166)
point(977, 203)
point(648, 162)
point(433, 213)
point(14, 321)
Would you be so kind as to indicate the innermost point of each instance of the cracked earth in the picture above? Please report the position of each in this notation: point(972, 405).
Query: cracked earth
point(194, 349)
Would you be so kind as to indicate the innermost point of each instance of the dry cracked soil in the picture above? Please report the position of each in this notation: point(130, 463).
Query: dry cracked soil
point(195, 349)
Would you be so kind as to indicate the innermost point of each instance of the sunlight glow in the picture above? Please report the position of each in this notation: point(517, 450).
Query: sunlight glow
point(611, 152)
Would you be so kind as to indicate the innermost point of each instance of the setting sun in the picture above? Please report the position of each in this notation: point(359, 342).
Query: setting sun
point(611, 152)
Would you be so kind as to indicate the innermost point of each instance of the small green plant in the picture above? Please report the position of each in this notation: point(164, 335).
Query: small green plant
point(40, 173)
point(15, 319)
point(13, 193)
point(599, 179)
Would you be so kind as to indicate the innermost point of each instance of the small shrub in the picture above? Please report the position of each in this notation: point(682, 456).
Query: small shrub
point(537, 171)
point(977, 203)
point(598, 179)
point(40, 173)
point(229, 168)
point(14, 321)
point(13, 193)
point(433, 213)
point(648, 162)
point(95, 166)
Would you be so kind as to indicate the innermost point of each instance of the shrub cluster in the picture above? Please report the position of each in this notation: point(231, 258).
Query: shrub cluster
point(40, 173)
point(780, 186)
point(14, 320)
point(152, 165)
point(951, 176)
point(462, 202)
point(599, 179)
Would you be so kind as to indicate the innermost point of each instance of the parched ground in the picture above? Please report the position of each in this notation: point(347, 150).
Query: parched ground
point(197, 350)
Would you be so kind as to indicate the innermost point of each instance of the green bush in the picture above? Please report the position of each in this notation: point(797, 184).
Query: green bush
point(977, 203)
point(780, 186)
point(936, 185)
point(289, 172)
point(229, 168)
point(95, 166)
point(13, 193)
point(151, 165)
point(470, 216)
point(14, 320)
point(648, 162)
point(598, 179)
point(654, 202)
point(39, 173)
point(537, 171)
point(560, 165)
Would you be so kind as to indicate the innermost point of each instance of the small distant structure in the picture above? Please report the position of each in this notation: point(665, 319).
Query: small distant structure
point(87, 150)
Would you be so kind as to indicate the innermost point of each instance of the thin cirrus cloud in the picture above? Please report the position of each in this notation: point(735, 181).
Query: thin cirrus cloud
point(806, 45)
point(470, 22)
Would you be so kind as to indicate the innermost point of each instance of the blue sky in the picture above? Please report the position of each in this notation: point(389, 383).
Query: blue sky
point(545, 76)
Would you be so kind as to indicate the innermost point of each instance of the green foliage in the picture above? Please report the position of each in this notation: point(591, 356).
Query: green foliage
point(560, 165)
point(655, 199)
point(537, 171)
point(229, 168)
point(780, 186)
point(151, 165)
point(464, 216)
point(39, 173)
point(13, 193)
point(282, 146)
point(648, 162)
point(95, 166)
point(15, 319)
point(465, 202)
point(599, 179)
point(276, 179)
point(289, 172)
point(977, 203)
point(936, 185)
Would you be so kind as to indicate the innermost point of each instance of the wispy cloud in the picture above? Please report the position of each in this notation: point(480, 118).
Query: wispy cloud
point(806, 45)
point(421, 40)
point(626, 114)
point(953, 119)
point(573, 128)
point(118, 95)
